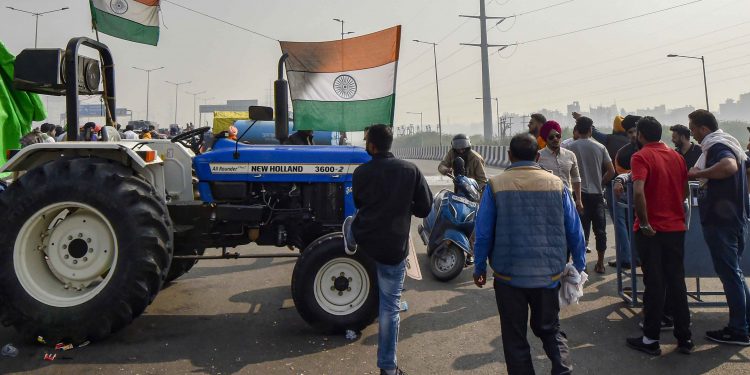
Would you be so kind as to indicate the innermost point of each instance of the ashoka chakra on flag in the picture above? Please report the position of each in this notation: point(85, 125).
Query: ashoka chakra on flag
point(133, 20)
point(343, 85)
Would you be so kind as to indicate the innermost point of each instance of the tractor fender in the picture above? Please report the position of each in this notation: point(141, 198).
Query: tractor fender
point(129, 154)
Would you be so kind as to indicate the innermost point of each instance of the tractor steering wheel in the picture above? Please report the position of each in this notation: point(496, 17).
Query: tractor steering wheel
point(192, 139)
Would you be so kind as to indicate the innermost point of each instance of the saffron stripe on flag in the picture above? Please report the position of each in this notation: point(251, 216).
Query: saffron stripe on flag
point(352, 116)
point(113, 25)
point(362, 52)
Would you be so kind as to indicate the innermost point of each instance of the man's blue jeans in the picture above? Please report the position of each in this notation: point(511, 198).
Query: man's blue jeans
point(390, 284)
point(623, 233)
point(726, 244)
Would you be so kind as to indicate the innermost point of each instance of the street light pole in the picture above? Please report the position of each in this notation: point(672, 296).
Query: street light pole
point(36, 15)
point(176, 87)
point(342, 28)
point(703, 64)
point(148, 83)
point(437, 87)
point(195, 95)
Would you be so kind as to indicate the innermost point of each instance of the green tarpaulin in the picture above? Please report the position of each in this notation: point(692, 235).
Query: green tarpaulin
point(17, 108)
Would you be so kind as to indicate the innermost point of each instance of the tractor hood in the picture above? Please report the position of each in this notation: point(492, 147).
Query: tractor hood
point(280, 163)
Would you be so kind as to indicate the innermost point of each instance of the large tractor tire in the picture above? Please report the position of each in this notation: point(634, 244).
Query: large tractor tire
point(180, 267)
point(332, 291)
point(84, 247)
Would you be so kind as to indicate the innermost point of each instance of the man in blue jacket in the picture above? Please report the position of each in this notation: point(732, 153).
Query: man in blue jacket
point(526, 224)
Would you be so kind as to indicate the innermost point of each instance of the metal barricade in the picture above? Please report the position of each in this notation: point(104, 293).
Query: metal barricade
point(698, 263)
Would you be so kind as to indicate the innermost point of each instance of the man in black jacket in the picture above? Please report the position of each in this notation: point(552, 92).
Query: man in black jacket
point(387, 191)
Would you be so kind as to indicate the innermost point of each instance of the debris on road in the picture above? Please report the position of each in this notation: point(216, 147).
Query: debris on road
point(351, 335)
point(40, 340)
point(9, 351)
point(404, 306)
point(49, 357)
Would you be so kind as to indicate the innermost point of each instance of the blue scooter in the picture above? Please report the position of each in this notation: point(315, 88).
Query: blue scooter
point(447, 230)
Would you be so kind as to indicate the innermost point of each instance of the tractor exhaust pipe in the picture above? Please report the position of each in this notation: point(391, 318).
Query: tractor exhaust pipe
point(281, 103)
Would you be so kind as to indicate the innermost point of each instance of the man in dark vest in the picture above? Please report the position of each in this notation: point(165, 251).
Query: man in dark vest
point(526, 224)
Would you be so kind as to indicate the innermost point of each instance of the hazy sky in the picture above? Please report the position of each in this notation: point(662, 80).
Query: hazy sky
point(624, 63)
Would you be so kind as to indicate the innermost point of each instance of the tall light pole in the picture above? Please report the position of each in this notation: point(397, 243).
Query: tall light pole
point(342, 28)
point(195, 95)
point(148, 83)
point(176, 87)
point(36, 15)
point(497, 113)
point(703, 63)
point(437, 87)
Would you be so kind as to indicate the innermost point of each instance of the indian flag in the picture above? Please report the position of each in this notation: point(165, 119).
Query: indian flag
point(343, 85)
point(133, 20)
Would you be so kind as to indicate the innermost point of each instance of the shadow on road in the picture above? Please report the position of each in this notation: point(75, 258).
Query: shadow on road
point(222, 343)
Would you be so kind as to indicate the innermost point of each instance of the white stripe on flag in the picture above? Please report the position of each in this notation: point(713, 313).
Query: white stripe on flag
point(373, 83)
point(132, 10)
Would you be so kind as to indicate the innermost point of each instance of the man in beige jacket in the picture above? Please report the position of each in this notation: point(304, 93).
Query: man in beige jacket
point(461, 146)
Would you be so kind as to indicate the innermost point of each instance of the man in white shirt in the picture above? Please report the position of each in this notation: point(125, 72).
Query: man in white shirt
point(129, 133)
point(561, 162)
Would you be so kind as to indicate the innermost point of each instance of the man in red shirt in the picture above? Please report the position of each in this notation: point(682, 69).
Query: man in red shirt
point(659, 189)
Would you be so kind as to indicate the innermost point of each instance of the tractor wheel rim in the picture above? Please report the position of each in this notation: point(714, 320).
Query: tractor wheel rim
point(65, 254)
point(341, 286)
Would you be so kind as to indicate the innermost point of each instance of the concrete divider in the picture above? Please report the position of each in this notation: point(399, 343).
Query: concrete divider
point(495, 156)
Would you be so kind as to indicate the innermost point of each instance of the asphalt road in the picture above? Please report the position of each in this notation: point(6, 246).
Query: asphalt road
point(237, 317)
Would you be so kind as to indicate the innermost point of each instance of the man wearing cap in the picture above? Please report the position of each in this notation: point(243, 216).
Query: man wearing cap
point(561, 162)
point(473, 162)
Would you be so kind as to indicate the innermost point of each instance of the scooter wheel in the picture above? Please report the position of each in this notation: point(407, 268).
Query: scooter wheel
point(447, 263)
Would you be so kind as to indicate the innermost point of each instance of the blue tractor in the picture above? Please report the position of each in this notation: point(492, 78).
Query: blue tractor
point(91, 231)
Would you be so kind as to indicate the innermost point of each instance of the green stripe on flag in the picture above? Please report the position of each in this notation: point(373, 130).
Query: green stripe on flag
point(342, 116)
point(122, 28)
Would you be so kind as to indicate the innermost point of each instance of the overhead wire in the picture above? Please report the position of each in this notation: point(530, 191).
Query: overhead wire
point(221, 20)
point(460, 48)
point(610, 23)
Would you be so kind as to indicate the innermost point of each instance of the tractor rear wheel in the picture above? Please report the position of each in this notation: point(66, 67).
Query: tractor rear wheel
point(84, 248)
point(332, 291)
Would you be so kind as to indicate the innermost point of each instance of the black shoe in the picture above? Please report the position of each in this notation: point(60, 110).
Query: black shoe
point(685, 347)
point(398, 372)
point(637, 344)
point(725, 336)
point(666, 324)
point(625, 266)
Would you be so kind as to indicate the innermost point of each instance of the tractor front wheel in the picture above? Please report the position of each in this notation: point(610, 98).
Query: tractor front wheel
point(333, 291)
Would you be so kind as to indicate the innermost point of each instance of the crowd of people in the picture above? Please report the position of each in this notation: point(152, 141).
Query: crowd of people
point(555, 191)
point(89, 132)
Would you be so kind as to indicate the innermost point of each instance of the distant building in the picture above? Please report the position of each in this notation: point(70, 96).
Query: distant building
point(736, 111)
